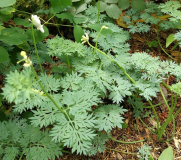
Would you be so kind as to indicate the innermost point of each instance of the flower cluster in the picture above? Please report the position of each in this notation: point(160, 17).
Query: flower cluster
point(27, 60)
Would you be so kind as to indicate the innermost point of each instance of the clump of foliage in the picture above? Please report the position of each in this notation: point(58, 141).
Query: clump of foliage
point(71, 102)
point(19, 139)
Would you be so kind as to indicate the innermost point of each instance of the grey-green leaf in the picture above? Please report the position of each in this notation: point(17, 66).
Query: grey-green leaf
point(78, 33)
point(113, 11)
point(167, 154)
point(138, 5)
point(123, 4)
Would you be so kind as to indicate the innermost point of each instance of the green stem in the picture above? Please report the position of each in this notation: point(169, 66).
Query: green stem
point(178, 111)
point(58, 29)
point(68, 62)
point(95, 48)
point(98, 6)
point(122, 151)
point(156, 116)
point(166, 86)
point(169, 118)
point(43, 89)
point(17, 4)
point(155, 105)
point(49, 19)
point(161, 45)
point(129, 142)
point(36, 49)
point(173, 131)
point(115, 63)
point(147, 126)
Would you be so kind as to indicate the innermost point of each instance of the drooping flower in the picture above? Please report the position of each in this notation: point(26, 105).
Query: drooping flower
point(85, 38)
point(36, 21)
point(104, 27)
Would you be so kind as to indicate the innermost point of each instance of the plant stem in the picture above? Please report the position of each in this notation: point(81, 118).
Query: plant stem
point(95, 48)
point(151, 130)
point(161, 45)
point(56, 105)
point(169, 118)
point(115, 63)
point(36, 49)
point(156, 116)
point(122, 151)
point(129, 142)
point(49, 19)
point(68, 62)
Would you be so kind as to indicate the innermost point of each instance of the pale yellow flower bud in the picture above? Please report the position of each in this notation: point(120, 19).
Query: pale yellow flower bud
point(23, 54)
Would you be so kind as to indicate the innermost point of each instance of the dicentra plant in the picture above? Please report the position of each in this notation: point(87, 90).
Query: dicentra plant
point(81, 101)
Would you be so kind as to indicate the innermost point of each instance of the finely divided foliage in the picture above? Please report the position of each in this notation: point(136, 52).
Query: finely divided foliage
point(80, 85)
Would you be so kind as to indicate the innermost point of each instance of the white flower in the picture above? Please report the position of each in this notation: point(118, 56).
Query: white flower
point(85, 38)
point(37, 23)
point(28, 63)
point(104, 27)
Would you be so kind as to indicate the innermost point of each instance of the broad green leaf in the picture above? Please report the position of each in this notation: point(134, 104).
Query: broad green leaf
point(13, 36)
point(39, 36)
point(4, 55)
point(123, 4)
point(5, 18)
point(23, 22)
point(103, 5)
point(65, 15)
point(7, 10)
point(113, 11)
point(167, 154)
point(97, 27)
point(111, 1)
point(170, 39)
point(79, 19)
point(81, 8)
point(64, 3)
point(6, 3)
point(78, 33)
point(59, 5)
point(138, 5)
point(1, 23)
